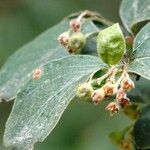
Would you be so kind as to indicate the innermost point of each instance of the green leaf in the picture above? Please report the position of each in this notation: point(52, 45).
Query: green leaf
point(40, 104)
point(140, 59)
point(111, 44)
point(135, 14)
point(141, 130)
point(19, 66)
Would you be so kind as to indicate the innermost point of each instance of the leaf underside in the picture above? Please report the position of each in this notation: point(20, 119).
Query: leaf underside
point(40, 103)
point(140, 59)
point(135, 14)
point(16, 71)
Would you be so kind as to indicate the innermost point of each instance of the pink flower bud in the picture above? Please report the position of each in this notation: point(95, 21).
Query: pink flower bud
point(120, 94)
point(98, 95)
point(75, 25)
point(127, 84)
point(64, 38)
point(113, 107)
point(122, 98)
point(37, 73)
point(110, 88)
point(124, 102)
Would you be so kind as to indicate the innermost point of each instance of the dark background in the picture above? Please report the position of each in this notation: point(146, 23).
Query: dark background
point(83, 126)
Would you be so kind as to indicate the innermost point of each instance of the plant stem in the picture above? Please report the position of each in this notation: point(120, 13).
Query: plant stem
point(122, 76)
point(89, 35)
point(99, 80)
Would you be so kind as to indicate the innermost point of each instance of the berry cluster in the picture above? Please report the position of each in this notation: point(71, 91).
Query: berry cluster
point(73, 40)
point(111, 88)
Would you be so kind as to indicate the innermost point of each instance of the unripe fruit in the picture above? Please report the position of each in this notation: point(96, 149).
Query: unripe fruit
point(76, 42)
point(110, 88)
point(84, 91)
point(75, 25)
point(64, 38)
point(98, 95)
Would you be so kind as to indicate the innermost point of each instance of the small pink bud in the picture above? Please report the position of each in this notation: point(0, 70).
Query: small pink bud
point(64, 38)
point(124, 102)
point(75, 25)
point(36, 74)
point(110, 88)
point(113, 107)
point(122, 98)
point(98, 95)
point(127, 84)
point(120, 94)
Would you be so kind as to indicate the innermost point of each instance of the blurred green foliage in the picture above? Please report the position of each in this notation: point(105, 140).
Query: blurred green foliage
point(83, 126)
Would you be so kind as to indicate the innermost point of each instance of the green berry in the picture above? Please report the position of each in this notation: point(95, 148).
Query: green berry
point(84, 91)
point(76, 42)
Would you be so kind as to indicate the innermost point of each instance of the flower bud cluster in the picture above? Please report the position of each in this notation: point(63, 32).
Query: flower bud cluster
point(111, 88)
point(73, 40)
point(121, 101)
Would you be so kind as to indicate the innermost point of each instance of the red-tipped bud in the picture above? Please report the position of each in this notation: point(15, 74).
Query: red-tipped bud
point(98, 95)
point(113, 107)
point(64, 38)
point(75, 25)
point(127, 84)
point(110, 88)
